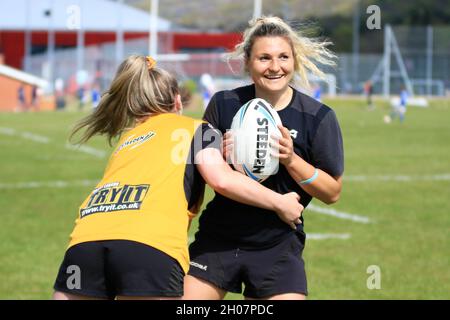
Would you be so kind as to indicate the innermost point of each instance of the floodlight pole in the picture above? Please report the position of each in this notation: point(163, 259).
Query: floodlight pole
point(119, 33)
point(28, 30)
point(429, 59)
point(51, 45)
point(387, 61)
point(257, 8)
point(356, 34)
point(153, 41)
point(80, 38)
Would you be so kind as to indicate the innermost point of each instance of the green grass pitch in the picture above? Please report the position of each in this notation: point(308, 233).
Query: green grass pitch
point(396, 175)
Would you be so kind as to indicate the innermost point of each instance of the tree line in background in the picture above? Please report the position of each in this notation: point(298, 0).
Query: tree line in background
point(332, 19)
point(339, 27)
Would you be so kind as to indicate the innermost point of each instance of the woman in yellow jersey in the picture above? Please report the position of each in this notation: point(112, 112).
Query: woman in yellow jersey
point(130, 236)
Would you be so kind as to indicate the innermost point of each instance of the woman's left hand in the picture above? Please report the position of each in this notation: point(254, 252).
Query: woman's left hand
point(284, 145)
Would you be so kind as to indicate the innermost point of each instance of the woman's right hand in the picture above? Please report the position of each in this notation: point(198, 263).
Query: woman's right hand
point(228, 146)
point(289, 209)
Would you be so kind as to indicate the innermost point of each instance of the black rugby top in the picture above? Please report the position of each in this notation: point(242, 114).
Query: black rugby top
point(317, 139)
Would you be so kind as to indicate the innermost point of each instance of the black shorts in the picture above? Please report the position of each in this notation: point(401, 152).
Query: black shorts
point(106, 269)
point(266, 272)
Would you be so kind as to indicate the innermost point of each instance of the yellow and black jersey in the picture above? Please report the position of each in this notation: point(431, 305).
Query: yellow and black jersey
point(148, 186)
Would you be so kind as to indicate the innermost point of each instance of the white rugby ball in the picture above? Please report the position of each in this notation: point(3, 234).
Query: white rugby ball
point(252, 126)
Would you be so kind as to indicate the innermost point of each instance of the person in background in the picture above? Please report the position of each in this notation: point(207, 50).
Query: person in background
point(81, 94)
point(207, 88)
point(95, 96)
point(399, 110)
point(21, 100)
point(35, 98)
point(60, 94)
point(368, 90)
point(317, 94)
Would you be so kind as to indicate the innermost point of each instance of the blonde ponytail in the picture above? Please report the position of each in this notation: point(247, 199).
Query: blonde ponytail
point(138, 90)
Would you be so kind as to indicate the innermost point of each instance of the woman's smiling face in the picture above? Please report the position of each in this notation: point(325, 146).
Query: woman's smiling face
point(271, 64)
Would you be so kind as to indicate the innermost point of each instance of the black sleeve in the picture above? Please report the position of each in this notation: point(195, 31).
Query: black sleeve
point(194, 186)
point(327, 146)
point(212, 112)
point(206, 136)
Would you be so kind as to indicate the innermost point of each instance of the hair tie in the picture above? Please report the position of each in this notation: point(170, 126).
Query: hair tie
point(151, 63)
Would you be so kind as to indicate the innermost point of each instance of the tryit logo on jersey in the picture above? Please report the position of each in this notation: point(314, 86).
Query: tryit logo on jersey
point(136, 142)
point(114, 197)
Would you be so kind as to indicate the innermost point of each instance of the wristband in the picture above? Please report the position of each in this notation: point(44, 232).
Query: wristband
point(310, 180)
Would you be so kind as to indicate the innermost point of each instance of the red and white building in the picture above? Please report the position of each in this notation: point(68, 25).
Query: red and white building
point(25, 27)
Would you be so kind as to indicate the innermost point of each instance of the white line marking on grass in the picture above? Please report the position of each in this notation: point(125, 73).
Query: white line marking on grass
point(35, 137)
point(89, 150)
point(7, 131)
point(326, 236)
point(399, 178)
point(339, 214)
point(26, 135)
point(41, 139)
point(48, 184)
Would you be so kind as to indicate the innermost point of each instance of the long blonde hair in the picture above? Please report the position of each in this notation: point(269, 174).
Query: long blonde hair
point(138, 90)
point(307, 51)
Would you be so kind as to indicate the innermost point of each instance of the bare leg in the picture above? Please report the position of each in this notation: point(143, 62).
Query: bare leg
point(284, 296)
point(58, 295)
point(197, 289)
point(147, 298)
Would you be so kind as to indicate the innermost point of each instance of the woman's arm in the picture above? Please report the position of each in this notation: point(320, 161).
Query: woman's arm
point(238, 187)
point(325, 187)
